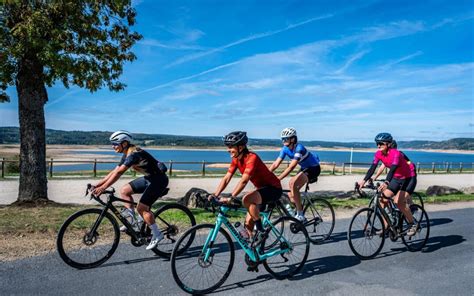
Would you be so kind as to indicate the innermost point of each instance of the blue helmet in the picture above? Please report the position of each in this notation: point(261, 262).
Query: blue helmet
point(384, 137)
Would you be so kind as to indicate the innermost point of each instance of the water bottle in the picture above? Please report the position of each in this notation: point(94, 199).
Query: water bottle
point(290, 210)
point(389, 212)
point(242, 231)
point(395, 215)
point(130, 218)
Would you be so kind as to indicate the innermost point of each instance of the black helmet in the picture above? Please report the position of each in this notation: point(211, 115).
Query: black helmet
point(394, 144)
point(236, 138)
point(384, 137)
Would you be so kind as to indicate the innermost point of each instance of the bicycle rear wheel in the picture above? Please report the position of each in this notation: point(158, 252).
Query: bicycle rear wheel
point(422, 222)
point(416, 200)
point(81, 248)
point(366, 235)
point(172, 220)
point(294, 239)
point(320, 219)
point(194, 273)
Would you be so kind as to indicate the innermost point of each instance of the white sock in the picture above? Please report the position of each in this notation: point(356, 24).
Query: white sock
point(155, 230)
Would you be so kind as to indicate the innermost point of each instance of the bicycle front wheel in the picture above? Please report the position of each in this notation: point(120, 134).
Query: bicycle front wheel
point(290, 236)
point(366, 234)
point(422, 223)
point(173, 220)
point(80, 246)
point(320, 219)
point(205, 263)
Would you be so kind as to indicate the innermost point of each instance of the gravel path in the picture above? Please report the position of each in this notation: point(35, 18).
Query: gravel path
point(72, 190)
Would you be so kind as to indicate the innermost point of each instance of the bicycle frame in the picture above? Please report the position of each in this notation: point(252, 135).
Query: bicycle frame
point(254, 256)
point(378, 209)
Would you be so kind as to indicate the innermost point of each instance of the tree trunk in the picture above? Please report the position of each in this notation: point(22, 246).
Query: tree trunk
point(32, 97)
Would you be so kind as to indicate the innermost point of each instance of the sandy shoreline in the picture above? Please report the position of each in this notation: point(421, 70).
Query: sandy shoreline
point(68, 151)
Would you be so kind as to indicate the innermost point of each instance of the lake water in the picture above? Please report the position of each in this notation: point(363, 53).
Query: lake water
point(223, 156)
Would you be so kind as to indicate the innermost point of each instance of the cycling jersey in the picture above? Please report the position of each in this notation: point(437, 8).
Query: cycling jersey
point(394, 158)
point(305, 158)
point(141, 161)
point(411, 164)
point(260, 175)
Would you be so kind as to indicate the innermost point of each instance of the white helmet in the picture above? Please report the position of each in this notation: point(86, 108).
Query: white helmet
point(288, 133)
point(120, 136)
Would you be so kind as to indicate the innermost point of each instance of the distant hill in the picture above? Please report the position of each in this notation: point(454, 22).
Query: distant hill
point(10, 135)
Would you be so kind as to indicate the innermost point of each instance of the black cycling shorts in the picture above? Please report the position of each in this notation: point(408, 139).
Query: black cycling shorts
point(151, 186)
point(411, 185)
point(312, 173)
point(398, 184)
point(270, 194)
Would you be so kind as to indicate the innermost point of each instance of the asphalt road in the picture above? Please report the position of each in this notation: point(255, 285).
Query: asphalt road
point(444, 267)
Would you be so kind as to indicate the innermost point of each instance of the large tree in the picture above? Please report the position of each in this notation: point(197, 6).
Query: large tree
point(76, 42)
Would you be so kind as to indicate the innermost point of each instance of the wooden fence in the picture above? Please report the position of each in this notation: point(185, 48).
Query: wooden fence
point(331, 168)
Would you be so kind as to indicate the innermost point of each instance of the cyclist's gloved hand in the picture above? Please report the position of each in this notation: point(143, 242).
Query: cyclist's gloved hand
point(98, 190)
point(361, 183)
point(383, 186)
point(211, 197)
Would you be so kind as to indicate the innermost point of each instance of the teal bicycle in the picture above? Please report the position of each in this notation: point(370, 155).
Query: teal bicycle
point(205, 265)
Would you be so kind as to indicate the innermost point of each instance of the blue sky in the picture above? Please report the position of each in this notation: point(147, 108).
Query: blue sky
point(334, 70)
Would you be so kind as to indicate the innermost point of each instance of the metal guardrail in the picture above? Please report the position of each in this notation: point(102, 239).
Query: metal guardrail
point(333, 167)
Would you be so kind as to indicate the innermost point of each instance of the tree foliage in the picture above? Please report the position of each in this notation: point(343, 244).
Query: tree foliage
point(78, 42)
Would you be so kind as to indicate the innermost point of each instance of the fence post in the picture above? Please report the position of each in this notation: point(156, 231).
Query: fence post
point(51, 168)
point(95, 167)
point(447, 167)
point(203, 168)
point(334, 168)
point(171, 169)
point(433, 167)
point(343, 168)
point(418, 167)
point(3, 167)
point(460, 167)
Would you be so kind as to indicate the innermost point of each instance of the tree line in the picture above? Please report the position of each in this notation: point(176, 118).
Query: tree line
point(10, 135)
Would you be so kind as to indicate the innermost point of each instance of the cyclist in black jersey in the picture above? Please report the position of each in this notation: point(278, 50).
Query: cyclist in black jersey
point(152, 184)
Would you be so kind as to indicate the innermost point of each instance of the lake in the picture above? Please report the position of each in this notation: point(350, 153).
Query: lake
point(223, 156)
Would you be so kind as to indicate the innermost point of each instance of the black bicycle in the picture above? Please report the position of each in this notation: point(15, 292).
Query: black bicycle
point(319, 214)
point(90, 237)
point(367, 232)
point(369, 191)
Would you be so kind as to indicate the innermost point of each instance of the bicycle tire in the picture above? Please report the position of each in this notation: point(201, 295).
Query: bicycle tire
point(320, 217)
point(296, 235)
point(72, 257)
point(417, 200)
point(172, 229)
point(418, 241)
point(200, 233)
point(368, 225)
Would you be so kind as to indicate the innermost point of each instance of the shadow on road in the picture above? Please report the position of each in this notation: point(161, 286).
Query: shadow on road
point(133, 261)
point(439, 221)
point(438, 242)
point(326, 264)
point(243, 284)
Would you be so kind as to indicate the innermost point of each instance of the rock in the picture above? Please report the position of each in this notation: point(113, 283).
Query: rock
point(195, 198)
point(468, 190)
point(441, 190)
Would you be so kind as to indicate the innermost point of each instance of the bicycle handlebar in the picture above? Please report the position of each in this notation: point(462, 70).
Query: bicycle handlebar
point(90, 189)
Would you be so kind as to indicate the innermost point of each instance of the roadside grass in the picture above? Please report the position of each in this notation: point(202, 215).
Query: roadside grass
point(47, 219)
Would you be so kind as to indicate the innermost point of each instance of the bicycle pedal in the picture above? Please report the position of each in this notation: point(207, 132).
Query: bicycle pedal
point(252, 269)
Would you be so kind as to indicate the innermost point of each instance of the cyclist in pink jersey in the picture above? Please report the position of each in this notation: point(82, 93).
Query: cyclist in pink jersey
point(397, 179)
point(413, 177)
point(252, 168)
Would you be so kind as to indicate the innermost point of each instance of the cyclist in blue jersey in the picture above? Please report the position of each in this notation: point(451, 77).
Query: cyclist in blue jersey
point(299, 155)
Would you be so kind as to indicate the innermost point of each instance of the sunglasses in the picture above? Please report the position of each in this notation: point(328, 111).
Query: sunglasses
point(287, 139)
point(115, 144)
point(380, 143)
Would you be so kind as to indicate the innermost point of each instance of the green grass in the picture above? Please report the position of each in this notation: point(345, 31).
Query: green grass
point(49, 218)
